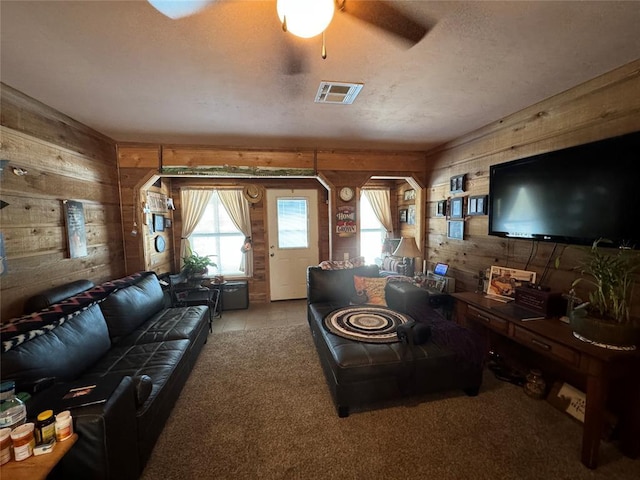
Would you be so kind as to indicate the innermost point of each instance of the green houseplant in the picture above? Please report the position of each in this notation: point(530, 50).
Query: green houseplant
point(196, 265)
point(610, 274)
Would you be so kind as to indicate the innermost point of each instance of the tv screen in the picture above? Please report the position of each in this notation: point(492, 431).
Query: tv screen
point(575, 195)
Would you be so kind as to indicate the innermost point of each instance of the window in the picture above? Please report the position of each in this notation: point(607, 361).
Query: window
point(293, 216)
point(217, 236)
point(372, 233)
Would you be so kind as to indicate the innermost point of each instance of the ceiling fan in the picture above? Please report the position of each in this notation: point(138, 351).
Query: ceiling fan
point(294, 15)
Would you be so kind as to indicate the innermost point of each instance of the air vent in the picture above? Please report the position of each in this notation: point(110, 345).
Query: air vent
point(338, 92)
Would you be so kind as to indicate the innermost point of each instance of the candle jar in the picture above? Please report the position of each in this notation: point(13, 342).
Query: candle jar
point(535, 386)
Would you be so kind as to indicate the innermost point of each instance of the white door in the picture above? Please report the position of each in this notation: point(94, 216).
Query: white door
point(293, 240)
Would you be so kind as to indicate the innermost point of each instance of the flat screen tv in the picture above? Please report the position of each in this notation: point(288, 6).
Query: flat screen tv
point(574, 196)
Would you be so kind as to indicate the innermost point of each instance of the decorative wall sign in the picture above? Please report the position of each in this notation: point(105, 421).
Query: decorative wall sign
point(76, 231)
point(457, 210)
point(157, 202)
point(441, 208)
point(403, 215)
point(346, 221)
point(477, 205)
point(457, 183)
point(455, 229)
point(410, 194)
point(411, 215)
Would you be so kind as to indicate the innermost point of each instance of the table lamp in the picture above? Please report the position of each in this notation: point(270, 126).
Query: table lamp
point(408, 249)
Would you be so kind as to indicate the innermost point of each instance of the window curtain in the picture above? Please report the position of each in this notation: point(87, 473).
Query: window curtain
point(380, 200)
point(194, 203)
point(238, 209)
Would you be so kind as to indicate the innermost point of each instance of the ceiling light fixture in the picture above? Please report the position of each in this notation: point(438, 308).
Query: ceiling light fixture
point(179, 8)
point(305, 18)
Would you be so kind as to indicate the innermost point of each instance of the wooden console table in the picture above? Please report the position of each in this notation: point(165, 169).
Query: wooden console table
point(555, 341)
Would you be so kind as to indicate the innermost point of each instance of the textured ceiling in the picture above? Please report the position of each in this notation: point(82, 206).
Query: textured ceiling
point(220, 77)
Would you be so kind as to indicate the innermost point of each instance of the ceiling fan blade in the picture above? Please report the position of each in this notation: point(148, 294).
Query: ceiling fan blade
point(383, 15)
point(180, 8)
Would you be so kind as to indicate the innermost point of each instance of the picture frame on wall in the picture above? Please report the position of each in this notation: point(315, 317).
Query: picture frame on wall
point(411, 215)
point(410, 194)
point(455, 229)
point(477, 205)
point(76, 228)
point(158, 223)
point(441, 208)
point(457, 183)
point(457, 207)
point(403, 215)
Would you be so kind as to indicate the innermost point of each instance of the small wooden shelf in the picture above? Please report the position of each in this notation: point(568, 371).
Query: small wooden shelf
point(36, 468)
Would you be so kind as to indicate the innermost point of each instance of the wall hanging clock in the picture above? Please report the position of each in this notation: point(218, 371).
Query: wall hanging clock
point(346, 194)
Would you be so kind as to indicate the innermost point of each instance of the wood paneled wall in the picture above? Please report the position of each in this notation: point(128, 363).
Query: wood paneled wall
point(139, 163)
point(64, 160)
point(604, 107)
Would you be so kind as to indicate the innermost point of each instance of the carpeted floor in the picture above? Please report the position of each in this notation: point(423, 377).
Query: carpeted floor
point(256, 406)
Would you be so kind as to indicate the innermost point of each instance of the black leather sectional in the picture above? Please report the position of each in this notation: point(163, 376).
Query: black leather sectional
point(121, 333)
point(360, 373)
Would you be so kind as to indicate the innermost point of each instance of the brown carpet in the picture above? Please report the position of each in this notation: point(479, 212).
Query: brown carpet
point(256, 406)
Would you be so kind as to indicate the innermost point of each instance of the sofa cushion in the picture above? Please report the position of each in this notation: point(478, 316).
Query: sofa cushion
point(373, 288)
point(342, 264)
point(127, 308)
point(64, 352)
point(55, 295)
point(176, 323)
point(335, 285)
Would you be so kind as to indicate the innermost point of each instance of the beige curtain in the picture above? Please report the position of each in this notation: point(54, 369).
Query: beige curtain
point(380, 200)
point(194, 202)
point(238, 209)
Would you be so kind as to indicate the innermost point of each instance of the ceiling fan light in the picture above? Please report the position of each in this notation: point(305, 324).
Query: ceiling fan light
point(306, 18)
point(179, 8)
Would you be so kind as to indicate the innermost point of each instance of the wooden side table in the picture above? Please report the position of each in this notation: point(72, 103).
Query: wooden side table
point(37, 468)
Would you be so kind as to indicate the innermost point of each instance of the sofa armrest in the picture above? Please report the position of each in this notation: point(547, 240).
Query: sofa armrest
point(107, 439)
point(404, 297)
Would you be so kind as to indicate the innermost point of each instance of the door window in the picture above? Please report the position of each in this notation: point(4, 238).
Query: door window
point(293, 218)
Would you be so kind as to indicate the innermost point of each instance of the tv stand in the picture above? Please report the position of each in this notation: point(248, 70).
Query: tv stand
point(599, 368)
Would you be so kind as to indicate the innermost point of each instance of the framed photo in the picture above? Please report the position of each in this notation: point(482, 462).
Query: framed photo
point(441, 208)
point(503, 282)
point(456, 184)
point(403, 215)
point(455, 229)
point(167, 223)
point(411, 215)
point(410, 194)
point(158, 223)
point(477, 205)
point(76, 230)
point(457, 210)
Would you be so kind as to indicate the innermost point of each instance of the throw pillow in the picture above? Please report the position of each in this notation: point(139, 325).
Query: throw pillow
point(372, 287)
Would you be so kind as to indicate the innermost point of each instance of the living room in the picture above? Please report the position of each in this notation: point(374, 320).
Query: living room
point(62, 158)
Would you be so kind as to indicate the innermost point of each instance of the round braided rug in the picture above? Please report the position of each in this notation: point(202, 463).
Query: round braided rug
point(371, 324)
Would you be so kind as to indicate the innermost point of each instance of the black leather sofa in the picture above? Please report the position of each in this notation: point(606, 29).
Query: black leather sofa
point(120, 333)
point(360, 374)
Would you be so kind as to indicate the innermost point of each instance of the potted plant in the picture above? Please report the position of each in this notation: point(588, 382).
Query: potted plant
point(195, 265)
point(605, 318)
